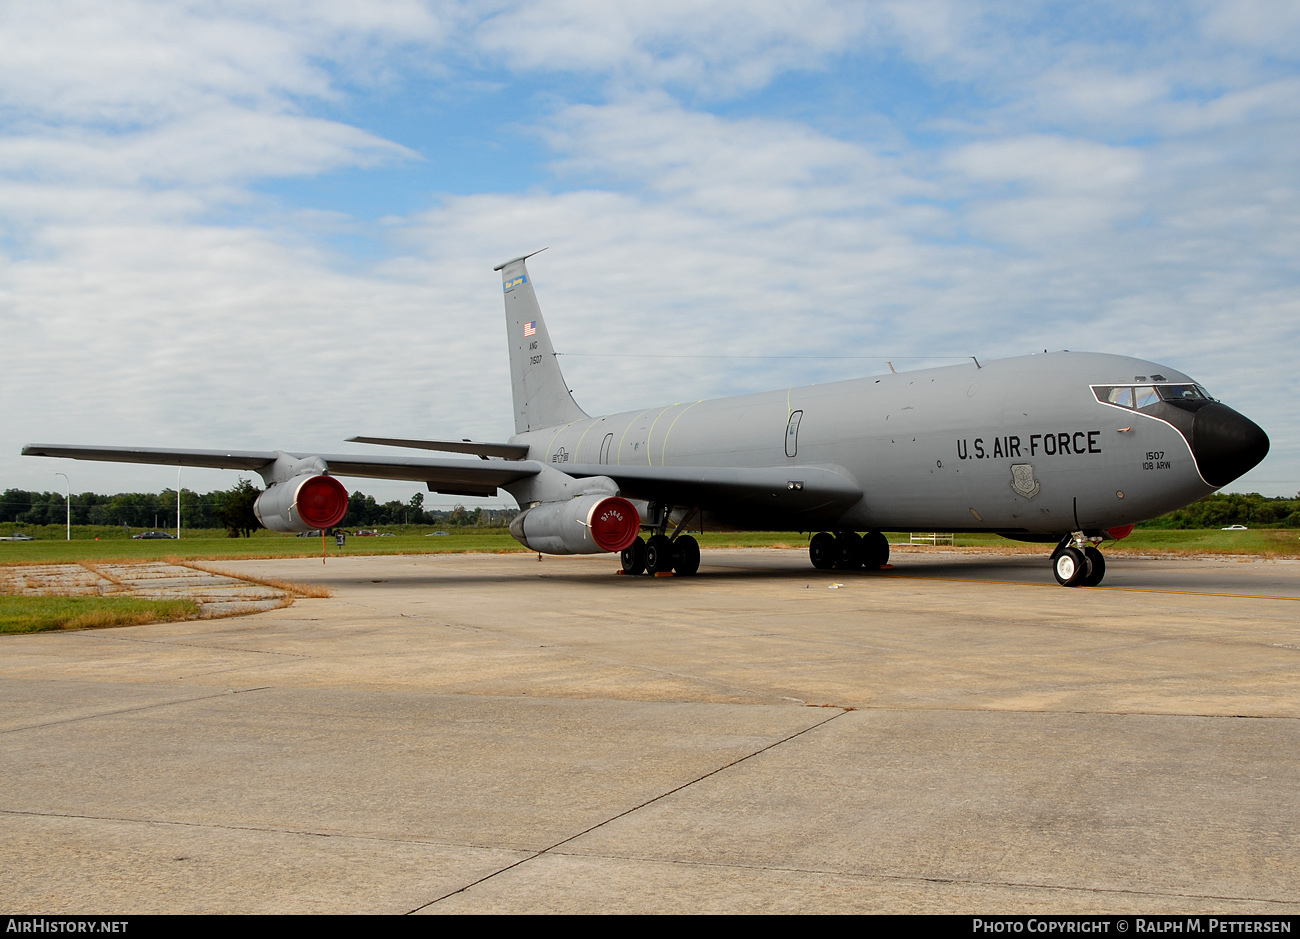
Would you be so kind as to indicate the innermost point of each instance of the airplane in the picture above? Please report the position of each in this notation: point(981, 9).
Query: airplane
point(1062, 448)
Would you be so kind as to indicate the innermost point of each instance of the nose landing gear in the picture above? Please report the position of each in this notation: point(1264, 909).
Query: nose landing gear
point(1076, 562)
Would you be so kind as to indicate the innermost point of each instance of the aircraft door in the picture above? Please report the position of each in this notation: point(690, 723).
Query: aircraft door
point(604, 448)
point(792, 434)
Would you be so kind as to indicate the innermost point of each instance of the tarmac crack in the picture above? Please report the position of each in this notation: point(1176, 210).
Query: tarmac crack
point(636, 808)
point(131, 710)
point(264, 829)
point(165, 643)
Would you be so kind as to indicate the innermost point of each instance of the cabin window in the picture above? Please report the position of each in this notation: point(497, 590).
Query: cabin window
point(1145, 395)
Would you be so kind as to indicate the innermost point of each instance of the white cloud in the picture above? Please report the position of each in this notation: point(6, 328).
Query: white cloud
point(216, 145)
point(1088, 197)
point(136, 61)
point(717, 47)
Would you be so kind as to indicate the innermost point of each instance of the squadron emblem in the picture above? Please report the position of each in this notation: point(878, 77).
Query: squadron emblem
point(1022, 480)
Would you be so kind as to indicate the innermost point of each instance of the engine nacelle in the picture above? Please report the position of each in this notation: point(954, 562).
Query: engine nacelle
point(591, 524)
point(302, 504)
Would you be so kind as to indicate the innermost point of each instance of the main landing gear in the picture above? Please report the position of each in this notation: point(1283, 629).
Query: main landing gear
point(662, 555)
point(848, 551)
point(1076, 562)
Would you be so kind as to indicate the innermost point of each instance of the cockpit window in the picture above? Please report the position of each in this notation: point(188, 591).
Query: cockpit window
point(1145, 395)
point(1181, 392)
point(1142, 396)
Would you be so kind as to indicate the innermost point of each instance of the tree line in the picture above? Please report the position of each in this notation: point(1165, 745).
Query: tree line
point(1233, 508)
point(231, 509)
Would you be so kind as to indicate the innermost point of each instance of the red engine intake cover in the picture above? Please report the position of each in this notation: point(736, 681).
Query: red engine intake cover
point(322, 502)
point(1122, 532)
point(614, 523)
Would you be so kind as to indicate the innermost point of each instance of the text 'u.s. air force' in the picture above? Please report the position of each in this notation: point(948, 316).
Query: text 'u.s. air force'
point(1061, 443)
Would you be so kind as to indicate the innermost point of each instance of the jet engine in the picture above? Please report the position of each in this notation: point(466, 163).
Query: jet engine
point(302, 504)
point(590, 524)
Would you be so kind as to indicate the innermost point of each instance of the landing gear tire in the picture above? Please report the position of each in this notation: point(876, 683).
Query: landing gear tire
point(875, 550)
point(659, 555)
point(821, 550)
point(848, 553)
point(688, 555)
point(633, 558)
point(1070, 566)
point(1096, 567)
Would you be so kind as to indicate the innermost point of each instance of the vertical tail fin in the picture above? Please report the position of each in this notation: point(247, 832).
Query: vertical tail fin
point(541, 396)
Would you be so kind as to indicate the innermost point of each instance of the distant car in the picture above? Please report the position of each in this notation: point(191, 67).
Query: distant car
point(152, 536)
point(436, 533)
point(1235, 528)
point(387, 534)
point(363, 533)
point(18, 537)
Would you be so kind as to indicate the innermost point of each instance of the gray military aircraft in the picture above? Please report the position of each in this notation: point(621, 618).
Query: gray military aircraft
point(1066, 448)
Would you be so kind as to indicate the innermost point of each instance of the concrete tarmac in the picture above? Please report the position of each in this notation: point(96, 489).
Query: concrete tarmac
point(491, 733)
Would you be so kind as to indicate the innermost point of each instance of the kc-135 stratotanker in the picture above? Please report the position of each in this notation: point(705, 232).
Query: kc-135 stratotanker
point(1066, 448)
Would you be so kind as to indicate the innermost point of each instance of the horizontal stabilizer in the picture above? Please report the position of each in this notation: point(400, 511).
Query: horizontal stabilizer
point(509, 451)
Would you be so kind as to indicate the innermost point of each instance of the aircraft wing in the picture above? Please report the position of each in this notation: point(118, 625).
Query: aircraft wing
point(452, 476)
point(780, 488)
point(786, 489)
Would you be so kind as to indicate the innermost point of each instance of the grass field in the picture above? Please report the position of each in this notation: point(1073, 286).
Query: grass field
point(40, 614)
point(114, 544)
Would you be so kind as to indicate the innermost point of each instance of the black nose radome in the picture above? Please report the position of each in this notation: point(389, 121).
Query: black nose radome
point(1226, 444)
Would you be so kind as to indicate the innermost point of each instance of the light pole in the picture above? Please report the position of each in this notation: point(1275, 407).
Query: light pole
point(68, 500)
point(178, 502)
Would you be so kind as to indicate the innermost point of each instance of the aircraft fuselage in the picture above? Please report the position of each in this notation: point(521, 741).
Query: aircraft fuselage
point(931, 449)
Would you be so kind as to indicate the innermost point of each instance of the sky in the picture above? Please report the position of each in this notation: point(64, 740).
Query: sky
point(273, 225)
